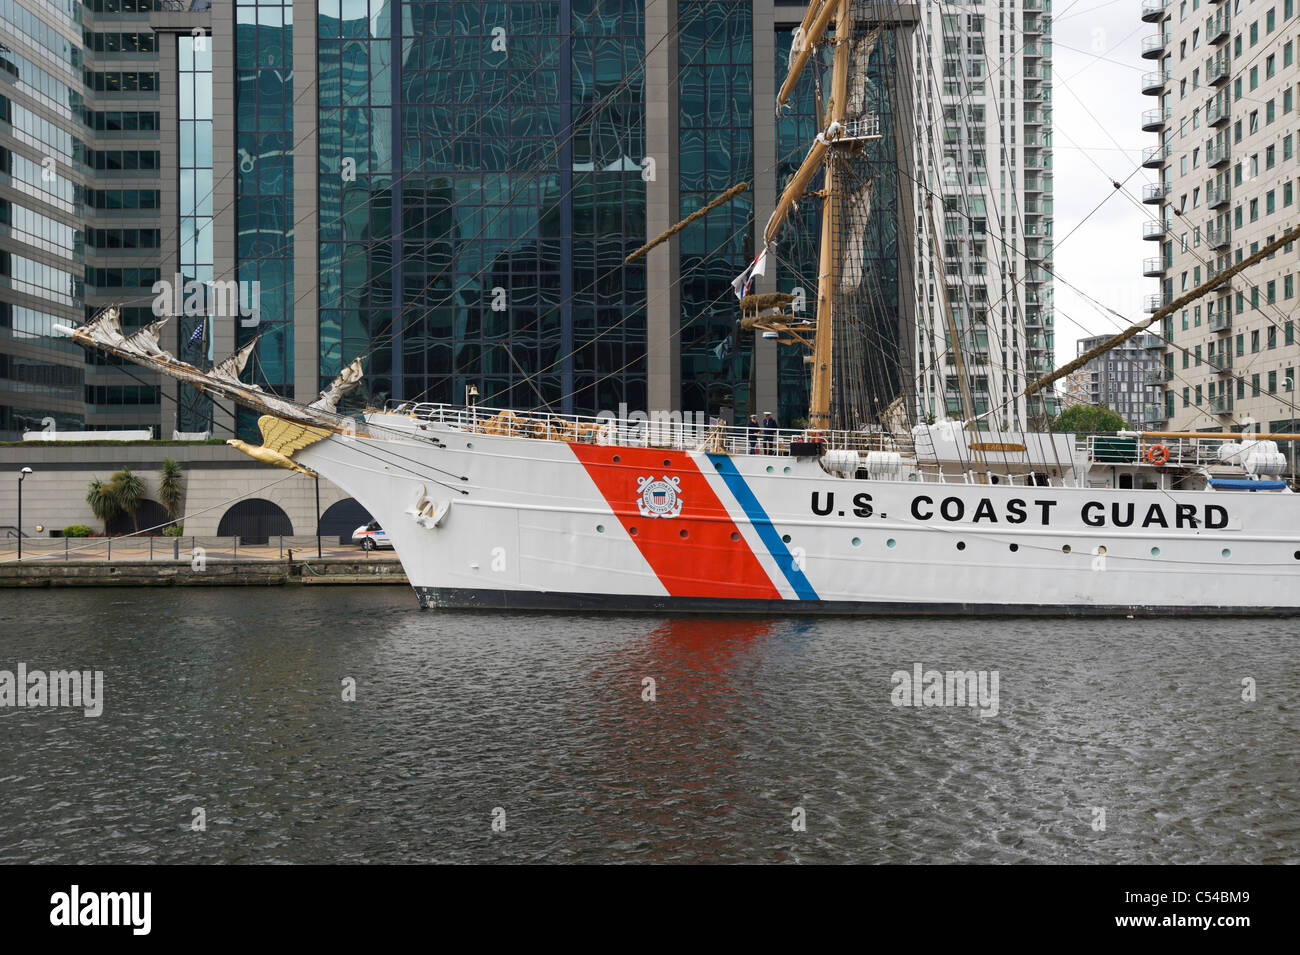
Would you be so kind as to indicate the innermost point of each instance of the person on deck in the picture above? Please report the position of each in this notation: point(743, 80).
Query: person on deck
point(753, 434)
point(769, 432)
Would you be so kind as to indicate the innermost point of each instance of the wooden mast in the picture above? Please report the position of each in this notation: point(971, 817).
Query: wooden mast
point(819, 405)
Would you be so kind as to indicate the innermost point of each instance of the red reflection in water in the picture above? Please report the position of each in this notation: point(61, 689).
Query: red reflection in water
point(673, 769)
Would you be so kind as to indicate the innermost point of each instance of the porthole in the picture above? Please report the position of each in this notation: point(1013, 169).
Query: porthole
point(856, 542)
point(770, 469)
point(683, 533)
point(1065, 549)
point(632, 531)
point(600, 528)
point(1226, 553)
point(1155, 552)
point(961, 545)
point(1014, 548)
point(785, 538)
point(735, 536)
point(890, 543)
point(617, 459)
point(1297, 555)
point(786, 471)
point(1101, 550)
point(667, 463)
point(469, 446)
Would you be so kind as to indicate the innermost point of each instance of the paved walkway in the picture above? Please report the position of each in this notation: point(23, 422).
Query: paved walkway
point(43, 549)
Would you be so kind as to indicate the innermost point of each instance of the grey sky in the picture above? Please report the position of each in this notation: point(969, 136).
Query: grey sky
point(1097, 138)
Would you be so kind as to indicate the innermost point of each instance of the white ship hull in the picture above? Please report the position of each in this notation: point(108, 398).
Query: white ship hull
point(481, 520)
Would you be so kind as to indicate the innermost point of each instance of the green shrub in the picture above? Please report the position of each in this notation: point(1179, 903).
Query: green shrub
point(77, 530)
point(174, 530)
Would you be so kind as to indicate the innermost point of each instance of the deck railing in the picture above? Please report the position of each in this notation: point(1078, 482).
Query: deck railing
point(1106, 449)
point(638, 430)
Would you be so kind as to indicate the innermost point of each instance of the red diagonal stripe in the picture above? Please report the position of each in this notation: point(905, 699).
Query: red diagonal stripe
point(712, 559)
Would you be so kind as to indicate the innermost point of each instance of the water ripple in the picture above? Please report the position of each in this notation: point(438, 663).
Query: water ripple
point(231, 700)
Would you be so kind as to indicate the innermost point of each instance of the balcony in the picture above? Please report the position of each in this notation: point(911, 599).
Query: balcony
point(1038, 91)
point(1160, 375)
point(1154, 46)
point(1218, 27)
point(1153, 119)
point(1153, 84)
point(1218, 195)
point(1220, 321)
point(1220, 154)
point(1221, 404)
point(1153, 157)
point(1153, 11)
point(1218, 238)
point(1217, 112)
point(1033, 25)
point(1222, 363)
point(1155, 194)
point(1153, 268)
point(1154, 230)
point(1153, 303)
point(1216, 69)
point(1038, 160)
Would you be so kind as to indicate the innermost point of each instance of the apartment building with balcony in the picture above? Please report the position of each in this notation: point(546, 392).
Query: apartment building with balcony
point(1225, 115)
point(984, 85)
point(1128, 379)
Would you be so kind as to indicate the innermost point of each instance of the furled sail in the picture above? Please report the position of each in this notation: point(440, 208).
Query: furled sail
point(346, 381)
point(105, 328)
point(858, 101)
point(857, 209)
point(232, 366)
point(145, 341)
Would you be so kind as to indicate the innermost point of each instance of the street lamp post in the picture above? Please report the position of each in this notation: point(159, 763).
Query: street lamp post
point(22, 474)
point(318, 517)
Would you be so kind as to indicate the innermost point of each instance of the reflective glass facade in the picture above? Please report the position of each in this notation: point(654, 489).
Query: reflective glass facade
point(43, 172)
point(194, 136)
point(264, 191)
point(473, 222)
point(877, 324)
point(716, 135)
point(796, 265)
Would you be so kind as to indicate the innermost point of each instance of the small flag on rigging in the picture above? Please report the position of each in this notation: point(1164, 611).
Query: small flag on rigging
point(746, 278)
point(197, 334)
point(723, 349)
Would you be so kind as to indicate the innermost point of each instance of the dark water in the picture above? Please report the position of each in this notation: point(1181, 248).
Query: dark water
point(230, 699)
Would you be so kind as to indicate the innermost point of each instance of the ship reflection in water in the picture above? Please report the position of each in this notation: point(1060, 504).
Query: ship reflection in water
point(230, 700)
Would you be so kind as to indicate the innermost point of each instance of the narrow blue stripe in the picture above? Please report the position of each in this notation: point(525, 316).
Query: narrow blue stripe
point(723, 464)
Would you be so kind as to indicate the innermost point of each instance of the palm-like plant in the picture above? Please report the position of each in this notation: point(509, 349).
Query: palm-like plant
point(171, 491)
point(102, 499)
point(129, 490)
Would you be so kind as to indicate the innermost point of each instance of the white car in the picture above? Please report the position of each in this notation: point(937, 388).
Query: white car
point(370, 536)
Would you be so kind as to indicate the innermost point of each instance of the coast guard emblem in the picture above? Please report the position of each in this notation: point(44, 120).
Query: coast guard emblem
point(659, 498)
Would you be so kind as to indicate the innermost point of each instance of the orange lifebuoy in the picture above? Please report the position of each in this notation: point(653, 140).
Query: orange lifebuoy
point(1158, 455)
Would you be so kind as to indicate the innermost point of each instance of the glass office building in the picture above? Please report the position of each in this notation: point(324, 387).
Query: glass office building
point(79, 167)
point(447, 189)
